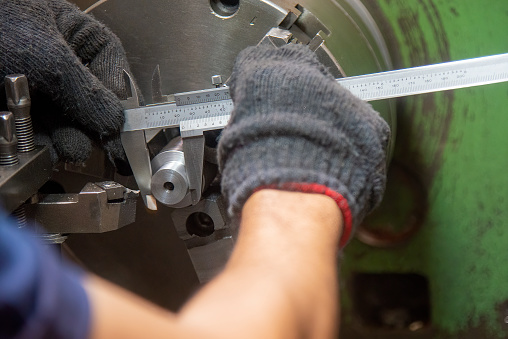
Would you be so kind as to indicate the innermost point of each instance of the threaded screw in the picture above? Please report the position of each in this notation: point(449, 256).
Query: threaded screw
point(19, 103)
point(20, 215)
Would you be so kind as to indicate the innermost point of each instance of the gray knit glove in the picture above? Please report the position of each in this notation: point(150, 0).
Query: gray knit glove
point(294, 128)
point(74, 67)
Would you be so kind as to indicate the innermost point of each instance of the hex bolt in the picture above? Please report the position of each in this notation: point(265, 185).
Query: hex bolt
point(18, 102)
point(8, 140)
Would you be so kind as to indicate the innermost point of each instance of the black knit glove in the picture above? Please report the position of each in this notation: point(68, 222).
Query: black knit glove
point(74, 66)
point(294, 128)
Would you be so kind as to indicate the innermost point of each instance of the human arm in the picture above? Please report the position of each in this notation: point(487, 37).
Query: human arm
point(298, 149)
point(281, 281)
point(303, 161)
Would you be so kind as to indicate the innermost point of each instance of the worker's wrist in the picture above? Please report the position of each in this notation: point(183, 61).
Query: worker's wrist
point(314, 215)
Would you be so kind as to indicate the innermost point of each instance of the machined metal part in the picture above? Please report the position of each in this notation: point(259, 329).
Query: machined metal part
point(21, 181)
point(98, 208)
point(205, 230)
point(171, 181)
point(170, 185)
point(19, 103)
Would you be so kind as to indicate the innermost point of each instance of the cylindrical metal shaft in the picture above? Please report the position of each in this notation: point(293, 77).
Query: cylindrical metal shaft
point(170, 185)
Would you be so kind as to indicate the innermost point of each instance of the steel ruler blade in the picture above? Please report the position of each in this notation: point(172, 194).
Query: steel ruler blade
point(209, 109)
point(431, 78)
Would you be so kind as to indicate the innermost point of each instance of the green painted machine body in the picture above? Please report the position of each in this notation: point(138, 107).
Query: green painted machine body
point(455, 144)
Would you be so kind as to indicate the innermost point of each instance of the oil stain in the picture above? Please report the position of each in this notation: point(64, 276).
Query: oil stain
point(424, 122)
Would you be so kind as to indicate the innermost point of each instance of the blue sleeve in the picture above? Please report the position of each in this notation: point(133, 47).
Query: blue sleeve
point(40, 297)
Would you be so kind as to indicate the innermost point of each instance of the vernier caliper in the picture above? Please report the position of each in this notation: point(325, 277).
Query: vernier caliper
point(199, 111)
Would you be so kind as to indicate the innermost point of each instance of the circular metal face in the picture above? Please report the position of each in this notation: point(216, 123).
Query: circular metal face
point(170, 185)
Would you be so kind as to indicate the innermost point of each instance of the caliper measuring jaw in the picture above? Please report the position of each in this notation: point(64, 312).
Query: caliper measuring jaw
point(194, 153)
point(136, 149)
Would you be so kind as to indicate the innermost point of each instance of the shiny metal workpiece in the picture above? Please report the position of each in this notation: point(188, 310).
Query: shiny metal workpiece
point(19, 103)
point(170, 185)
point(98, 208)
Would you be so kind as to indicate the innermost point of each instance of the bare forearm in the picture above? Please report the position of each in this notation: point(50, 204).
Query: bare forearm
point(281, 280)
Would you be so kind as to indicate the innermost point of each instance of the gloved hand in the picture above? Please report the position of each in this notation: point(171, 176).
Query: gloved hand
point(75, 65)
point(294, 128)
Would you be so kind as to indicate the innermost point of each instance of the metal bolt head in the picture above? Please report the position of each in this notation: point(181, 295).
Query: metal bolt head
point(16, 88)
